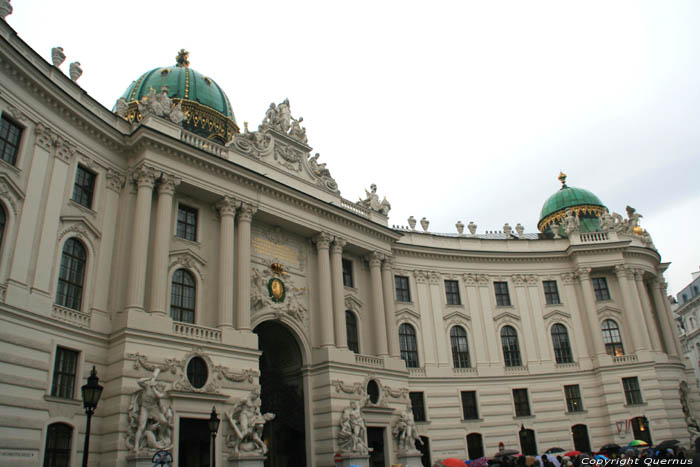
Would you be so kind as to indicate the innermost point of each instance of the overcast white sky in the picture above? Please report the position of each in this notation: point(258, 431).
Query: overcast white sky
point(456, 110)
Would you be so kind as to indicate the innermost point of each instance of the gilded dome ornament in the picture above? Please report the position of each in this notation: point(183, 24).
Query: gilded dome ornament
point(562, 179)
point(182, 58)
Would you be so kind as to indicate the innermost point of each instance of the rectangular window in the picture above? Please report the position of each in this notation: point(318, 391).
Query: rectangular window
point(64, 370)
point(84, 186)
point(469, 409)
point(551, 293)
point(10, 134)
point(452, 293)
point(187, 223)
point(418, 406)
point(502, 295)
point(347, 273)
point(403, 293)
point(632, 392)
point(600, 288)
point(573, 398)
point(522, 404)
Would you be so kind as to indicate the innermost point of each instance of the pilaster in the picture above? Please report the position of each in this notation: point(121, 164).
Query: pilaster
point(226, 207)
point(245, 217)
point(325, 298)
point(643, 297)
point(632, 309)
point(389, 307)
point(341, 337)
point(479, 327)
point(161, 243)
point(584, 277)
point(379, 317)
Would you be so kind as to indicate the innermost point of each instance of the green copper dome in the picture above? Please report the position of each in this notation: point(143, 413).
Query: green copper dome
point(583, 204)
point(206, 106)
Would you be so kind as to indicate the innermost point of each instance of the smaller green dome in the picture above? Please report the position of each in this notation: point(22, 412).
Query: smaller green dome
point(584, 204)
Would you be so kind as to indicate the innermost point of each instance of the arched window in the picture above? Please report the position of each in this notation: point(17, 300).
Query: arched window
point(511, 349)
point(460, 349)
point(409, 345)
point(612, 339)
point(59, 438)
point(581, 441)
point(351, 329)
point(182, 295)
point(475, 445)
point(71, 275)
point(562, 347)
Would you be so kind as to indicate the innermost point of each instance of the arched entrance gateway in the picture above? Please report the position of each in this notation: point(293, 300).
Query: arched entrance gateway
point(282, 393)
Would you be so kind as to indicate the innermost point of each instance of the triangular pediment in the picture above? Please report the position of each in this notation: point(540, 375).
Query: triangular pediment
point(188, 253)
point(609, 309)
point(506, 314)
point(457, 314)
point(353, 303)
point(73, 223)
point(408, 312)
point(557, 314)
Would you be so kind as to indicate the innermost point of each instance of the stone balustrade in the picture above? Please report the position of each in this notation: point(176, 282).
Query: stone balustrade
point(79, 318)
point(366, 360)
point(193, 331)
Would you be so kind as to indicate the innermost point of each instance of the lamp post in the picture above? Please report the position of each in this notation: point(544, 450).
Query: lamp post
point(213, 428)
point(91, 396)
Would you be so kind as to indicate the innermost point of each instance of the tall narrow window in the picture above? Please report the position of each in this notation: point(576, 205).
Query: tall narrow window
point(409, 345)
point(633, 395)
point(475, 445)
point(452, 293)
point(460, 347)
point(182, 296)
point(64, 372)
point(351, 328)
point(521, 402)
point(403, 293)
point(69, 292)
point(84, 186)
point(59, 438)
point(417, 406)
point(612, 339)
point(581, 441)
point(10, 134)
point(347, 273)
point(3, 222)
point(551, 293)
point(573, 398)
point(511, 348)
point(600, 288)
point(502, 295)
point(470, 411)
point(186, 223)
point(562, 347)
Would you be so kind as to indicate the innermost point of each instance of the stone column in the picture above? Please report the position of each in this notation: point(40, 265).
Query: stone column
point(632, 307)
point(245, 217)
point(535, 291)
point(667, 326)
point(583, 275)
point(392, 334)
point(379, 318)
point(493, 339)
point(325, 298)
point(341, 335)
point(437, 300)
point(227, 211)
point(479, 335)
point(530, 350)
point(161, 243)
point(646, 310)
point(145, 180)
point(426, 334)
point(584, 342)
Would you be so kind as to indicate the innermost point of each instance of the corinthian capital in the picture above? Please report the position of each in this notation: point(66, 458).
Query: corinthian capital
point(375, 259)
point(388, 263)
point(323, 240)
point(246, 211)
point(115, 181)
point(623, 271)
point(45, 137)
point(167, 183)
point(227, 206)
point(338, 245)
point(144, 177)
point(583, 274)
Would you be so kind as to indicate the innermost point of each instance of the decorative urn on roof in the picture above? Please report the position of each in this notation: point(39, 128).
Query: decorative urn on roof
point(206, 108)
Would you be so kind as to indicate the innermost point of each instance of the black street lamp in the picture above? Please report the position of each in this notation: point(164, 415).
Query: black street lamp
point(91, 396)
point(213, 429)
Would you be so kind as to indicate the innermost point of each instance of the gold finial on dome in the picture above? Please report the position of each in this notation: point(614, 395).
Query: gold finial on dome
point(562, 179)
point(182, 57)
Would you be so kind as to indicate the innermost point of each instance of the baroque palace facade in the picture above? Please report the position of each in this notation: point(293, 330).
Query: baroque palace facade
point(193, 264)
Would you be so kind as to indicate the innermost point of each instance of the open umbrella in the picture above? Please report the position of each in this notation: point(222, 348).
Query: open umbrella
point(669, 443)
point(553, 450)
point(507, 452)
point(611, 447)
point(601, 457)
point(637, 442)
point(480, 462)
point(573, 453)
point(453, 462)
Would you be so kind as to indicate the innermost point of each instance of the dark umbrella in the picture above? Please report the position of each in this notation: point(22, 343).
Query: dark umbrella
point(610, 447)
point(669, 443)
point(507, 452)
point(554, 450)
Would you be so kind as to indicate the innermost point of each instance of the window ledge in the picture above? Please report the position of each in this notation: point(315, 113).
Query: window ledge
point(405, 303)
point(553, 304)
point(7, 165)
point(523, 417)
point(351, 288)
point(82, 208)
point(642, 404)
point(458, 305)
point(62, 400)
point(472, 420)
point(191, 242)
point(578, 412)
point(505, 306)
point(424, 422)
point(606, 300)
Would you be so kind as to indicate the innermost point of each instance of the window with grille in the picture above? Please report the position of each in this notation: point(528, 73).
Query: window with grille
point(59, 438)
point(511, 348)
point(633, 394)
point(10, 134)
point(551, 293)
point(403, 293)
point(502, 295)
point(64, 371)
point(347, 273)
point(69, 292)
point(186, 223)
point(521, 402)
point(452, 292)
point(574, 403)
point(351, 329)
point(470, 411)
point(600, 288)
point(418, 406)
point(408, 345)
point(460, 347)
point(562, 346)
point(612, 338)
point(182, 296)
point(84, 186)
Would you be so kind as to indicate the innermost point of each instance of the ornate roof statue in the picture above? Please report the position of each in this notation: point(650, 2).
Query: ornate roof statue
point(57, 56)
point(5, 8)
point(182, 58)
point(75, 71)
point(372, 201)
